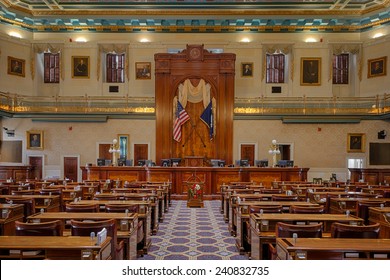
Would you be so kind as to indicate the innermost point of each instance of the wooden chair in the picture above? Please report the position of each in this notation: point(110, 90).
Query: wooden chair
point(28, 205)
point(271, 191)
point(81, 208)
point(284, 198)
point(288, 230)
point(118, 208)
point(303, 231)
point(84, 228)
point(340, 230)
point(22, 192)
point(52, 228)
point(247, 227)
point(362, 208)
point(105, 196)
point(296, 209)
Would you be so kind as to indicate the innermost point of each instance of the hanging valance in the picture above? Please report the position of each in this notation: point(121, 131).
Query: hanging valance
point(47, 47)
point(113, 48)
point(355, 49)
point(195, 94)
point(282, 48)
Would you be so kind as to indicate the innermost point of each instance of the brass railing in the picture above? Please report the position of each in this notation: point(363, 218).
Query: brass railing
point(77, 104)
point(375, 105)
point(18, 104)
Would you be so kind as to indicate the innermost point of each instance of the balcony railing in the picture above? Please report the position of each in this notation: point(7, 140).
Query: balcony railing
point(262, 106)
point(376, 105)
point(76, 104)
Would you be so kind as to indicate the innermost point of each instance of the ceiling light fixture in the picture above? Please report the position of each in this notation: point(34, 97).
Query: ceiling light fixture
point(15, 34)
point(377, 35)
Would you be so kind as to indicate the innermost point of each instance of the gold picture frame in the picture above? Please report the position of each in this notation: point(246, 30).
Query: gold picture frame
point(16, 66)
point(123, 140)
point(246, 69)
point(80, 67)
point(310, 71)
point(143, 70)
point(356, 142)
point(34, 139)
point(377, 67)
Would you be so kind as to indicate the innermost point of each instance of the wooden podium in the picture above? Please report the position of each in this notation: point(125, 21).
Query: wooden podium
point(195, 194)
point(193, 161)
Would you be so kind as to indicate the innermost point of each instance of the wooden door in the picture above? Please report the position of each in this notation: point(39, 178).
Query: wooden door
point(103, 151)
point(140, 152)
point(285, 152)
point(248, 152)
point(37, 167)
point(71, 168)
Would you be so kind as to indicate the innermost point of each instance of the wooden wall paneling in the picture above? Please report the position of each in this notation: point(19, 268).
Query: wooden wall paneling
point(194, 63)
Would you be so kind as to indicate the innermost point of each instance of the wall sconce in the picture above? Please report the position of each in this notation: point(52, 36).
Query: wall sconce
point(382, 134)
point(10, 133)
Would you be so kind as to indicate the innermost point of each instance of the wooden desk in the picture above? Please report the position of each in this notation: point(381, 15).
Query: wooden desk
point(263, 226)
point(332, 249)
point(381, 216)
point(144, 214)
point(126, 225)
point(242, 218)
point(9, 214)
point(49, 203)
point(341, 205)
point(54, 248)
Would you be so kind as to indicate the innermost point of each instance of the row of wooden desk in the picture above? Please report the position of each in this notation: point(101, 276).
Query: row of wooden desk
point(340, 204)
point(151, 208)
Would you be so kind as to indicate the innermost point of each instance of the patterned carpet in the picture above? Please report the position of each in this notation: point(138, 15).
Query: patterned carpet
point(193, 234)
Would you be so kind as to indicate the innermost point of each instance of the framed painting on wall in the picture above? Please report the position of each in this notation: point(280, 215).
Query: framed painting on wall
point(143, 70)
point(310, 71)
point(123, 140)
point(247, 69)
point(377, 67)
point(34, 140)
point(80, 67)
point(356, 142)
point(16, 66)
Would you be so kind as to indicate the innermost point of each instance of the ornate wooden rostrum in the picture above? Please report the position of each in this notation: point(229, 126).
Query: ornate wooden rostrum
point(195, 194)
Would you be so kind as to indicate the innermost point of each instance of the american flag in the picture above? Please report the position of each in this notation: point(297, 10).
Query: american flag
point(181, 118)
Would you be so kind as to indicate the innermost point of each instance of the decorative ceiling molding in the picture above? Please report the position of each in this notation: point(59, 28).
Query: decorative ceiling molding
point(200, 16)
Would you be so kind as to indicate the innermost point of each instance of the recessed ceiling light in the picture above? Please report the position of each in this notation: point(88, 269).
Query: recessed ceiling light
point(377, 35)
point(310, 40)
point(15, 34)
point(81, 40)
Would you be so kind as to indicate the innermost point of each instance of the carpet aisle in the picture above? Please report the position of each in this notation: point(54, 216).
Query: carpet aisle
point(193, 234)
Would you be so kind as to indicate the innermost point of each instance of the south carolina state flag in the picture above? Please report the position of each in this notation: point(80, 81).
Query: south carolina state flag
point(181, 118)
point(208, 119)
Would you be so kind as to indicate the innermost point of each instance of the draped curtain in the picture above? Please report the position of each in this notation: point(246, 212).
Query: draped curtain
point(47, 47)
point(355, 49)
point(283, 48)
point(113, 48)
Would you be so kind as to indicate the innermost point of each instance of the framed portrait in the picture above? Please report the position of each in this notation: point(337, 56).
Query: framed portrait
point(16, 66)
point(377, 67)
point(143, 70)
point(310, 71)
point(80, 67)
point(356, 143)
point(123, 140)
point(247, 69)
point(34, 140)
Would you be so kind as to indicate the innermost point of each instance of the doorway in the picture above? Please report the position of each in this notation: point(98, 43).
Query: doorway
point(71, 168)
point(247, 151)
point(36, 163)
point(141, 152)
